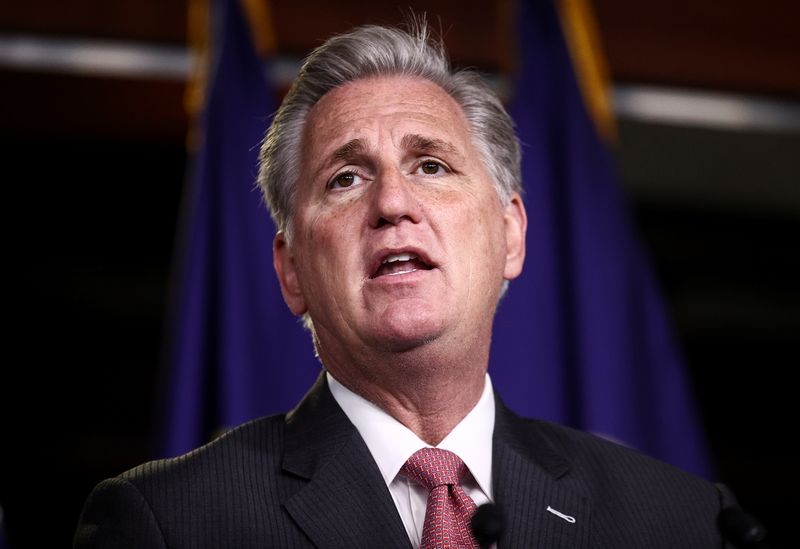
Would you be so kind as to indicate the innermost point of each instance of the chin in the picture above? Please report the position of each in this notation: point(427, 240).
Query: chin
point(404, 332)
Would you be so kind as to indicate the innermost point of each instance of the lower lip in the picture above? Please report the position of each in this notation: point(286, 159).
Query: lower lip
point(402, 272)
point(404, 277)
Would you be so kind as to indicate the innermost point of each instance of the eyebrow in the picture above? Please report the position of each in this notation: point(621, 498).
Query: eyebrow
point(350, 150)
point(424, 144)
point(346, 153)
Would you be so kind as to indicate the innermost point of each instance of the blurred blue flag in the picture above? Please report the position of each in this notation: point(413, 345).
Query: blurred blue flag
point(233, 350)
point(583, 337)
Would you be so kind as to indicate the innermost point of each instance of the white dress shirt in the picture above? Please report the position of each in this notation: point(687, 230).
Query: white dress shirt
point(392, 443)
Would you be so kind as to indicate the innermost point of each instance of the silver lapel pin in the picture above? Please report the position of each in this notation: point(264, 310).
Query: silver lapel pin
point(562, 515)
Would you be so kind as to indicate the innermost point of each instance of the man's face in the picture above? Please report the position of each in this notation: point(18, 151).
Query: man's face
point(399, 237)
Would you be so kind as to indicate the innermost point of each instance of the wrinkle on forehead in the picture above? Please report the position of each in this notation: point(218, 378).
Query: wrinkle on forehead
point(340, 126)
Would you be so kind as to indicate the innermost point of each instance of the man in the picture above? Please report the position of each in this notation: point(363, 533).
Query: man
point(395, 186)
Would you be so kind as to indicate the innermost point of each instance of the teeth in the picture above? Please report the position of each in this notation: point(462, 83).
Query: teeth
point(398, 257)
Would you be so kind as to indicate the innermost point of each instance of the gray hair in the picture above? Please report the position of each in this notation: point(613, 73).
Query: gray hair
point(371, 51)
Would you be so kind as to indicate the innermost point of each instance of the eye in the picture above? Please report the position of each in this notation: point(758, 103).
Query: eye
point(344, 180)
point(432, 167)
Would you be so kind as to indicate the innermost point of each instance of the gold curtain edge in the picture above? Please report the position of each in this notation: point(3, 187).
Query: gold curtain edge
point(199, 37)
point(198, 33)
point(262, 30)
point(588, 58)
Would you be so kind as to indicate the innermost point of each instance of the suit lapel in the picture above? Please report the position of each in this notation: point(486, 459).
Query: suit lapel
point(532, 488)
point(345, 502)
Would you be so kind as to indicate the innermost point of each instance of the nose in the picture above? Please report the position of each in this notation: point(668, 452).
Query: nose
point(393, 199)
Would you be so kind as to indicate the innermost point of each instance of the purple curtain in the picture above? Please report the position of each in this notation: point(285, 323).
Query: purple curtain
point(233, 351)
point(583, 337)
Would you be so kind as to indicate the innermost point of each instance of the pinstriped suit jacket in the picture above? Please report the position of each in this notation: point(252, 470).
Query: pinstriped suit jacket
point(307, 479)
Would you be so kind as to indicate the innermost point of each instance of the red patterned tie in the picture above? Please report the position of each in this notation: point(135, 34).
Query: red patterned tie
point(449, 507)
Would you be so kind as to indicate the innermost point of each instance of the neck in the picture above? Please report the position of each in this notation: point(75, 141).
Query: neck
point(428, 391)
point(431, 411)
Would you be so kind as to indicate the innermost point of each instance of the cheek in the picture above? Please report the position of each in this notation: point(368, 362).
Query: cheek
point(489, 242)
point(327, 223)
point(331, 246)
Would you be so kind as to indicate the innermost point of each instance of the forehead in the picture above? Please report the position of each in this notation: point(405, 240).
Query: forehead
point(384, 107)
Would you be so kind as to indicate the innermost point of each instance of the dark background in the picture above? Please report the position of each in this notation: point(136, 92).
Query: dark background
point(93, 171)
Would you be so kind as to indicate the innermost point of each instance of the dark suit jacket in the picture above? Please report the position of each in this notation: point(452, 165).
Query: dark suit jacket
point(307, 479)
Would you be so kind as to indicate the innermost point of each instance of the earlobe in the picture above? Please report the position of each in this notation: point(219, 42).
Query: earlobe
point(285, 268)
point(516, 223)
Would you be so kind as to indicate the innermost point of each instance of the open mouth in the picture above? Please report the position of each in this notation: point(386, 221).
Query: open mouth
point(400, 263)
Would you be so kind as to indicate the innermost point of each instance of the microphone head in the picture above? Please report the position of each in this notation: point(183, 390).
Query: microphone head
point(487, 524)
point(741, 528)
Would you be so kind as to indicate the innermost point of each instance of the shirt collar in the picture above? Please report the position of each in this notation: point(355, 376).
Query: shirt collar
point(391, 443)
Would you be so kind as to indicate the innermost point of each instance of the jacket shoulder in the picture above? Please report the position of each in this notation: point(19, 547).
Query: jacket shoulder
point(227, 493)
point(259, 440)
point(604, 458)
point(636, 500)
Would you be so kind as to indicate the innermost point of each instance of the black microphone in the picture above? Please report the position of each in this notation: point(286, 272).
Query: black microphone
point(742, 529)
point(739, 527)
point(487, 525)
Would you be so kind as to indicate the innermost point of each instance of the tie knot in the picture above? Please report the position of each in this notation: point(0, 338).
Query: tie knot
point(434, 467)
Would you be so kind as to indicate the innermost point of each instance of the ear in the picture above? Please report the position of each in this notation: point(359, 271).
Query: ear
point(285, 268)
point(516, 223)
